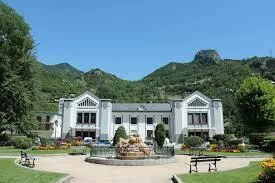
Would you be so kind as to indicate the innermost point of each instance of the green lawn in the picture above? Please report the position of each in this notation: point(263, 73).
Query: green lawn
point(178, 152)
point(11, 173)
point(240, 175)
point(9, 151)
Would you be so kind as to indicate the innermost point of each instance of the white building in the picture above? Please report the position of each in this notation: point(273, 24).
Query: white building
point(89, 116)
point(49, 124)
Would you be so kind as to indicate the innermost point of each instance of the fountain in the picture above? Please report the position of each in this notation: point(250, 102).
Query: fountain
point(133, 148)
point(131, 152)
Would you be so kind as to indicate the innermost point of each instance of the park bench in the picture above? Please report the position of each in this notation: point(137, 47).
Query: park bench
point(78, 150)
point(197, 159)
point(192, 151)
point(26, 159)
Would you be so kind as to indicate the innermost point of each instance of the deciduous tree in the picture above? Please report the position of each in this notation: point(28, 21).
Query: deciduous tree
point(17, 79)
point(256, 103)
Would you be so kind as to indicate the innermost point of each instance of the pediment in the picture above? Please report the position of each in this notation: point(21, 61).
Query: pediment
point(87, 102)
point(87, 99)
point(197, 99)
point(197, 102)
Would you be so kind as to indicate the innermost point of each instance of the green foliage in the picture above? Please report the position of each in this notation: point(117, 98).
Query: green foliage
point(234, 142)
point(21, 142)
point(256, 103)
point(44, 141)
point(242, 148)
point(24, 145)
point(193, 141)
point(256, 138)
point(120, 133)
point(219, 137)
point(160, 134)
point(269, 144)
point(5, 139)
point(17, 77)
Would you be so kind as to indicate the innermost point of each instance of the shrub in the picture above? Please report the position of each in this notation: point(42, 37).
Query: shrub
point(24, 145)
point(256, 138)
point(220, 142)
point(242, 147)
point(193, 141)
point(160, 134)
point(213, 141)
point(218, 137)
point(269, 146)
point(44, 141)
point(20, 142)
point(120, 133)
point(234, 142)
point(5, 140)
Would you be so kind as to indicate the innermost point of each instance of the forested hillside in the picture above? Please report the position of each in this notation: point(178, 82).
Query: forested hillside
point(207, 73)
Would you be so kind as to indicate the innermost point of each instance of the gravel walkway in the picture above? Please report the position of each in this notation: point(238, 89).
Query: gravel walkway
point(84, 172)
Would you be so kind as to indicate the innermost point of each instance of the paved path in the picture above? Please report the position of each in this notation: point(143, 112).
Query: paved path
point(84, 172)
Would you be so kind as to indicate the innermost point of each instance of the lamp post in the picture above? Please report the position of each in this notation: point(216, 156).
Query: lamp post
point(56, 125)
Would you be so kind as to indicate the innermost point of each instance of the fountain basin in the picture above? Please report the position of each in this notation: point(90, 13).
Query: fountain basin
point(138, 162)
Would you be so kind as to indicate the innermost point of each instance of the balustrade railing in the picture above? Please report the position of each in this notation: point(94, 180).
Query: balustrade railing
point(119, 153)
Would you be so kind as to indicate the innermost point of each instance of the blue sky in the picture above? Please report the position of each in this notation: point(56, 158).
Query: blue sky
point(133, 38)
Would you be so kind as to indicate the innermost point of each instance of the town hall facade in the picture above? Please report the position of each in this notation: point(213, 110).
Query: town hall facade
point(89, 116)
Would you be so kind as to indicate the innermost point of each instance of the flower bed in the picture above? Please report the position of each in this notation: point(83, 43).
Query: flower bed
point(217, 148)
point(63, 144)
point(52, 147)
point(268, 171)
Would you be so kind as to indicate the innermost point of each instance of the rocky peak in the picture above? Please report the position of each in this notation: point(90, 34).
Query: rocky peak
point(207, 57)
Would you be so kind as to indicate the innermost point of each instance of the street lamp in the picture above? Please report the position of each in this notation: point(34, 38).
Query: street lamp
point(56, 125)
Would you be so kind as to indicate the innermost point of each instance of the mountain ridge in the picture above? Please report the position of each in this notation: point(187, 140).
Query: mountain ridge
point(214, 78)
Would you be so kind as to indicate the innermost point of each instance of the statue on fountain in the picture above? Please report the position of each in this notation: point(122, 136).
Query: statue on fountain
point(133, 148)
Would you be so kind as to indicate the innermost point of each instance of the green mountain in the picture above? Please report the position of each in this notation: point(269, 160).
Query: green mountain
point(66, 71)
point(207, 73)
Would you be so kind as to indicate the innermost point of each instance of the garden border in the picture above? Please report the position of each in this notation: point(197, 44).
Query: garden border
point(65, 179)
point(176, 179)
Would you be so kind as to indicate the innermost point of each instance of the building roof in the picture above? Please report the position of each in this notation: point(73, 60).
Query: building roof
point(132, 107)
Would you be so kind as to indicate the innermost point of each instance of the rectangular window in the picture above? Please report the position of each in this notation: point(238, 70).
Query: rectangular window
point(86, 117)
point(197, 118)
point(149, 120)
point(204, 118)
point(38, 118)
point(47, 126)
point(93, 118)
point(85, 134)
point(118, 120)
point(165, 120)
point(79, 117)
point(190, 119)
point(191, 134)
point(167, 133)
point(48, 118)
point(149, 133)
point(78, 133)
point(133, 120)
point(92, 134)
